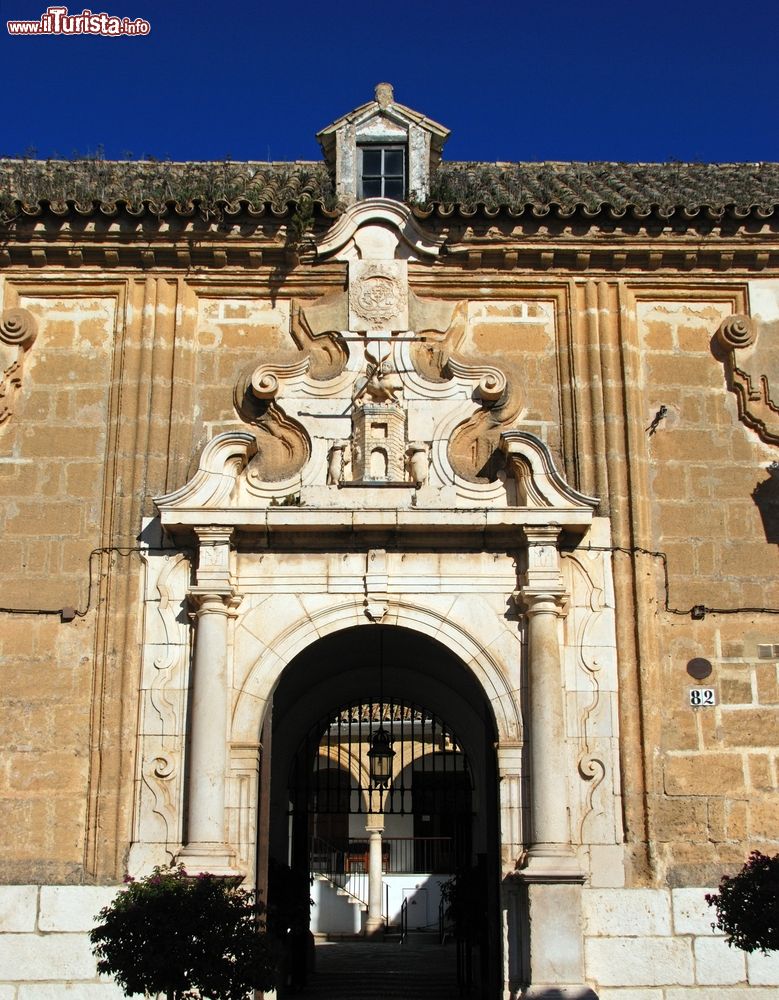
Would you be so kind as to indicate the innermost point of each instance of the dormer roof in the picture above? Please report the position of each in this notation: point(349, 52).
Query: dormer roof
point(383, 106)
point(382, 121)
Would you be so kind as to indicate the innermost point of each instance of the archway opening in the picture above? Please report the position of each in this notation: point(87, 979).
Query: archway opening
point(433, 824)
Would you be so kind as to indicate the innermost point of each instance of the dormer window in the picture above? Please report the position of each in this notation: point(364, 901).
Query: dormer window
point(382, 150)
point(383, 172)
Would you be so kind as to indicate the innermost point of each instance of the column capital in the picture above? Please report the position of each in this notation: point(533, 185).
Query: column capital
point(532, 602)
point(208, 601)
point(511, 757)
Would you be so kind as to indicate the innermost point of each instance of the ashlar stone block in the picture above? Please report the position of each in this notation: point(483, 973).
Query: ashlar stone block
point(72, 908)
point(763, 970)
point(718, 964)
point(626, 912)
point(18, 904)
point(607, 865)
point(69, 991)
point(46, 957)
point(639, 961)
point(724, 993)
point(630, 994)
point(691, 913)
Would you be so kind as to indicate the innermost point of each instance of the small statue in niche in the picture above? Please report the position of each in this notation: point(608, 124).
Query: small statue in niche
point(338, 462)
point(418, 462)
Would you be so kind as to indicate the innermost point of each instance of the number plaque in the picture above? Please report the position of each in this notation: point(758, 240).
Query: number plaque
point(702, 697)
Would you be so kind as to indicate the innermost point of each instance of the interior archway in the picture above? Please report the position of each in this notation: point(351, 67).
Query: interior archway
point(392, 665)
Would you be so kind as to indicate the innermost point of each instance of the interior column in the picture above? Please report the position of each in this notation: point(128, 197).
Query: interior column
point(375, 921)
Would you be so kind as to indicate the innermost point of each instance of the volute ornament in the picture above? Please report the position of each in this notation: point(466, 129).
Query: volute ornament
point(735, 332)
point(18, 328)
point(492, 381)
point(264, 381)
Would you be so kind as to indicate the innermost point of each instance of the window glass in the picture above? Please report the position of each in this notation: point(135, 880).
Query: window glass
point(383, 172)
point(393, 162)
point(371, 161)
point(393, 188)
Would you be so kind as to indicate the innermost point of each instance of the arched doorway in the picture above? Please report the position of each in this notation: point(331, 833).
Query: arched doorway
point(435, 818)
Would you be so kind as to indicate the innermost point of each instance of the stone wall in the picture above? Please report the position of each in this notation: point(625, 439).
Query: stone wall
point(131, 373)
point(648, 944)
point(640, 944)
point(55, 459)
point(713, 770)
point(44, 949)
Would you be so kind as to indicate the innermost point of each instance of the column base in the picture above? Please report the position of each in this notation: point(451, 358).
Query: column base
point(374, 926)
point(211, 859)
point(551, 863)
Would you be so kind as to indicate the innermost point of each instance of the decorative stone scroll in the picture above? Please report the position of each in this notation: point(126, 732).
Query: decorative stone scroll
point(752, 368)
point(283, 445)
point(18, 330)
point(264, 381)
point(492, 381)
point(736, 331)
point(376, 583)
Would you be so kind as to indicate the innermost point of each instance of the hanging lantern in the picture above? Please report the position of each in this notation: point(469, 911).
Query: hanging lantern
point(380, 756)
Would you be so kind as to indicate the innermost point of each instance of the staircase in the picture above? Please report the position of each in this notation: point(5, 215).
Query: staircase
point(421, 969)
point(339, 906)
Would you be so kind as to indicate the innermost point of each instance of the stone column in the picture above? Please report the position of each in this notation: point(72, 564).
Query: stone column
point(213, 597)
point(375, 922)
point(552, 875)
point(542, 598)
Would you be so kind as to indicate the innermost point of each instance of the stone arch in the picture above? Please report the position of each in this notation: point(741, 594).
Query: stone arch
point(475, 654)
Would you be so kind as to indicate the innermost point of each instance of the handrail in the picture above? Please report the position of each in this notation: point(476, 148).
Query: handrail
point(400, 855)
point(330, 862)
point(403, 920)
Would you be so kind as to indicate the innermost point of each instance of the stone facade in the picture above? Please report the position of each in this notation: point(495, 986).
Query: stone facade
point(536, 449)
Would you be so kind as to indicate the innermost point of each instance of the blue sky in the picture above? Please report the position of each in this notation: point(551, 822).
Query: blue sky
point(681, 80)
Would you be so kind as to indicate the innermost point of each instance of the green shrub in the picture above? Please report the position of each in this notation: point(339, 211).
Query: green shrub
point(174, 934)
point(747, 905)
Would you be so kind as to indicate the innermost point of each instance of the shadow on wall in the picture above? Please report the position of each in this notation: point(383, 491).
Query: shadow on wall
point(766, 497)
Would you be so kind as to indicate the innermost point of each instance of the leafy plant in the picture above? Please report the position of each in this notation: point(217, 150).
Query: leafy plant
point(184, 937)
point(747, 905)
